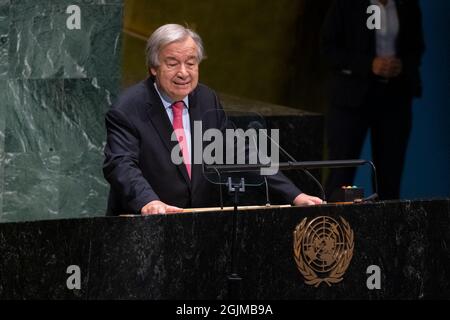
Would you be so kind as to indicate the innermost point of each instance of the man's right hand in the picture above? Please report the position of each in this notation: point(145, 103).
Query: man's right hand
point(158, 207)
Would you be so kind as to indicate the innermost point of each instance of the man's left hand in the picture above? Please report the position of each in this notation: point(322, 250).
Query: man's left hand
point(306, 200)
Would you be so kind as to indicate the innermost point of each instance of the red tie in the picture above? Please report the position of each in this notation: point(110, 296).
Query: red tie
point(177, 109)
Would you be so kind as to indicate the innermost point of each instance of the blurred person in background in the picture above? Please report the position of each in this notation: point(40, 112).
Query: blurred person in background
point(375, 76)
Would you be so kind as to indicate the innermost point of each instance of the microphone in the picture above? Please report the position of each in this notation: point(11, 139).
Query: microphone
point(257, 125)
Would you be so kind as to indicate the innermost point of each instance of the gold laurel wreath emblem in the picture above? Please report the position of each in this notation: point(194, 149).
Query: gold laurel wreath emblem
point(343, 261)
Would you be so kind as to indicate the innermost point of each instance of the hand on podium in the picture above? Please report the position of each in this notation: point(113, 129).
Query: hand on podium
point(306, 200)
point(157, 207)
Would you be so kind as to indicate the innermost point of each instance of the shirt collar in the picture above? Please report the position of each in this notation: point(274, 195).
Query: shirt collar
point(167, 102)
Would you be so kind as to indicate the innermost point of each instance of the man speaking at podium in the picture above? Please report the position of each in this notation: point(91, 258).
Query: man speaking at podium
point(143, 178)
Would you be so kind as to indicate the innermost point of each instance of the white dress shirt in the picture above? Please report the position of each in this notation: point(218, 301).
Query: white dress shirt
point(386, 37)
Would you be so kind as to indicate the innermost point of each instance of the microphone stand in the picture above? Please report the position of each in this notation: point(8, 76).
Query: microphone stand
point(234, 280)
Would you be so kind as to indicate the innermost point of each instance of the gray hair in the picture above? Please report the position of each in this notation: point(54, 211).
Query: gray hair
point(167, 34)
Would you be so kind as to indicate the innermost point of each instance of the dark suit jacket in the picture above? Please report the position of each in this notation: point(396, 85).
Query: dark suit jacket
point(350, 47)
point(138, 165)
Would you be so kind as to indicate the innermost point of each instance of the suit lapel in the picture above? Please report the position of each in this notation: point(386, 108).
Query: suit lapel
point(160, 120)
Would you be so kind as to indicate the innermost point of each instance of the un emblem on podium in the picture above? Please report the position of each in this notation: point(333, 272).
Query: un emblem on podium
point(323, 249)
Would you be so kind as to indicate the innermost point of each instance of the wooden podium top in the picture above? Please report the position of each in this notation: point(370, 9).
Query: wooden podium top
point(220, 209)
point(240, 208)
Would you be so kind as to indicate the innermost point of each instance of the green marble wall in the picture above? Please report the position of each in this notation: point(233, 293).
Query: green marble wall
point(55, 86)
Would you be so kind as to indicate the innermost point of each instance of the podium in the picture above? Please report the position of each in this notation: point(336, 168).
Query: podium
point(187, 256)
